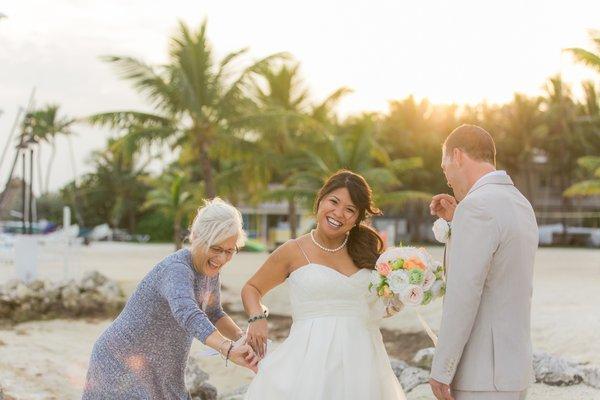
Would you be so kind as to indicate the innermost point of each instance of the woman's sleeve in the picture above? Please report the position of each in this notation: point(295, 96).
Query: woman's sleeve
point(214, 309)
point(177, 287)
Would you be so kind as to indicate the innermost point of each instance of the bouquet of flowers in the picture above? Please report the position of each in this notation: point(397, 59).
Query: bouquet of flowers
point(407, 276)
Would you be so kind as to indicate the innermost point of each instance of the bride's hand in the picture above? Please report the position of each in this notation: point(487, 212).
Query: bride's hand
point(244, 356)
point(257, 334)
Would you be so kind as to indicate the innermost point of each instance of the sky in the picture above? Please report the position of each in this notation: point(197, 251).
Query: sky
point(447, 51)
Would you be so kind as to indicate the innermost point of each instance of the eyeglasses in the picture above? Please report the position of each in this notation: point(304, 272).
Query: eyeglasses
point(217, 251)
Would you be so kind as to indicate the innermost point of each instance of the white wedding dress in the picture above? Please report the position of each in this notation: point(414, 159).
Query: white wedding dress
point(334, 350)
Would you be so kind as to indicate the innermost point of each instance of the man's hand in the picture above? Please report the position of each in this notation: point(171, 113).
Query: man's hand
point(440, 390)
point(443, 205)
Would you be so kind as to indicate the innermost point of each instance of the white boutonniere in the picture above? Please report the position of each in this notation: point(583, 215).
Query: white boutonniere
point(441, 230)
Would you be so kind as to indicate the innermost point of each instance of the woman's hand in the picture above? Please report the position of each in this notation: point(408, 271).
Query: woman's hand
point(257, 334)
point(244, 356)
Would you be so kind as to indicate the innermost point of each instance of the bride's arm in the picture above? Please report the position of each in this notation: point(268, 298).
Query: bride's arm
point(271, 274)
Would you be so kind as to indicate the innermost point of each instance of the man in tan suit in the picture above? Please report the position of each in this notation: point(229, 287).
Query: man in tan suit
point(484, 348)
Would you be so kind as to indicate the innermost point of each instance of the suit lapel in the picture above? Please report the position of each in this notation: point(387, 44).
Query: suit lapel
point(445, 261)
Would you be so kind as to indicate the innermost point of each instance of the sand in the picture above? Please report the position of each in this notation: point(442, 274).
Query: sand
point(48, 359)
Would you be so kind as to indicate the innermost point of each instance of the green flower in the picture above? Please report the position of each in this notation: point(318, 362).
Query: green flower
point(415, 277)
point(427, 297)
point(398, 264)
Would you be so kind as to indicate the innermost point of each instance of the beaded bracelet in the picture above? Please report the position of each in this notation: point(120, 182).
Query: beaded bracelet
point(256, 318)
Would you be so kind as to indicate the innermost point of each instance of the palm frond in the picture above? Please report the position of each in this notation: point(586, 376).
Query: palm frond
point(147, 81)
point(584, 189)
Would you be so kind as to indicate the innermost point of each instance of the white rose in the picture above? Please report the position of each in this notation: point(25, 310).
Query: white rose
point(412, 295)
point(436, 288)
point(398, 280)
point(376, 278)
point(426, 258)
point(441, 230)
point(429, 280)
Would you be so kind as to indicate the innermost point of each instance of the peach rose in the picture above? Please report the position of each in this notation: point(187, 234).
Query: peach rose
point(384, 268)
point(415, 263)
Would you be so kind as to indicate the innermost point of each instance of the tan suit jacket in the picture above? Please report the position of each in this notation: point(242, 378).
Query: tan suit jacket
point(484, 339)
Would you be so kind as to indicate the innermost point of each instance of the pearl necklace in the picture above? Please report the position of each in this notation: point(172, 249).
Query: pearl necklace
point(319, 245)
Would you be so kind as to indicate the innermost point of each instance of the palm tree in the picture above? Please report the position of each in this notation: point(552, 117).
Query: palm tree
point(120, 172)
point(590, 58)
point(521, 128)
point(45, 125)
point(353, 146)
point(285, 119)
point(589, 187)
point(589, 164)
point(173, 198)
point(196, 99)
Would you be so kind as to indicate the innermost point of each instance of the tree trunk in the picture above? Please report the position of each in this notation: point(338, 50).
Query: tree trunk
point(50, 161)
point(292, 217)
point(39, 170)
point(206, 166)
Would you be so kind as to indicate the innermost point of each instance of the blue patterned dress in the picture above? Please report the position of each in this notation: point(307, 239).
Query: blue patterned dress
point(143, 353)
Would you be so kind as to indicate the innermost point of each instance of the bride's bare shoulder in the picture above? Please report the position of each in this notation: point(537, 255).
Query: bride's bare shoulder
point(292, 252)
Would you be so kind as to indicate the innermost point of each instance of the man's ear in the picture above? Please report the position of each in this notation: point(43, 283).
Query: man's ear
point(458, 156)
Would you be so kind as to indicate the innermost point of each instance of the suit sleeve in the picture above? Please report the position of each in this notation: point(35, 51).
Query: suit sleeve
point(475, 238)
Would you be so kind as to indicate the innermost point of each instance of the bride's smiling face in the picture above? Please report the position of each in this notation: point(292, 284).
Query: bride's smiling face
point(337, 214)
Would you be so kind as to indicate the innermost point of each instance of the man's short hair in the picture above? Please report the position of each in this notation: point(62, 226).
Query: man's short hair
point(473, 140)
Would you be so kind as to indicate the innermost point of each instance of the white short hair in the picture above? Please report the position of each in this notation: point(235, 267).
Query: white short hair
point(215, 222)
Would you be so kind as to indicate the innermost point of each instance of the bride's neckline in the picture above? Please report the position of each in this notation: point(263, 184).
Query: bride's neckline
point(326, 267)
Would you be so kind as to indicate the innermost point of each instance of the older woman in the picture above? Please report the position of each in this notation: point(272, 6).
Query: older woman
point(143, 353)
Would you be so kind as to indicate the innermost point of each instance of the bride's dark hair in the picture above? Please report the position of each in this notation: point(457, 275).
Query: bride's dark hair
point(364, 243)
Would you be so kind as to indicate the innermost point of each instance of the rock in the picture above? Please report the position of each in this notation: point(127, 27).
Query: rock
point(412, 377)
point(22, 293)
point(555, 371)
point(87, 303)
point(92, 280)
point(9, 287)
point(37, 286)
point(5, 310)
point(196, 382)
point(194, 375)
point(237, 394)
point(111, 295)
point(591, 376)
point(69, 295)
point(398, 366)
point(4, 396)
point(206, 392)
point(93, 295)
point(424, 358)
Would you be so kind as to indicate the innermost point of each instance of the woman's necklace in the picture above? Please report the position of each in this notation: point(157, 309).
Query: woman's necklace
point(327, 249)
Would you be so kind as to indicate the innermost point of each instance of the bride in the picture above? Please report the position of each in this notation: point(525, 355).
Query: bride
point(334, 350)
